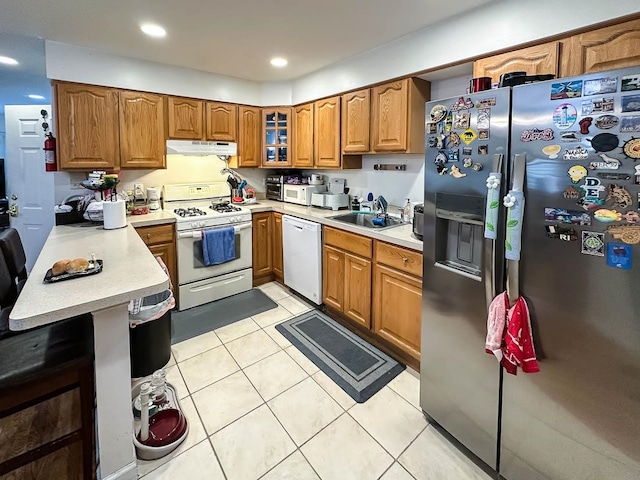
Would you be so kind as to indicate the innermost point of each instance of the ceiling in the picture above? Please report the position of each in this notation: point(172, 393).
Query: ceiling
point(28, 77)
point(234, 38)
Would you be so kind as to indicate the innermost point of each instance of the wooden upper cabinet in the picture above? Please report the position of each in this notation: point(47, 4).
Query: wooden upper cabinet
point(142, 143)
point(356, 115)
point(185, 118)
point(617, 46)
point(222, 122)
point(249, 136)
point(397, 123)
point(303, 136)
point(87, 124)
point(327, 133)
point(276, 134)
point(539, 59)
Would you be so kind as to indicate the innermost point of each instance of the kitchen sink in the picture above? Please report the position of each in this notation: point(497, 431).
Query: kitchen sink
point(366, 220)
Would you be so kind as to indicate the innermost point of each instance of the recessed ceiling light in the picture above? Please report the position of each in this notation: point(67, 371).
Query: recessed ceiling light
point(153, 30)
point(279, 62)
point(8, 60)
point(35, 97)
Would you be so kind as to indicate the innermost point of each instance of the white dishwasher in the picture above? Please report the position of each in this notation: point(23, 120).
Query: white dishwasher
point(302, 251)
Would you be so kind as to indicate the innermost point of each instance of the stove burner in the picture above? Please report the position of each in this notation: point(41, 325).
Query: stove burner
point(189, 212)
point(224, 207)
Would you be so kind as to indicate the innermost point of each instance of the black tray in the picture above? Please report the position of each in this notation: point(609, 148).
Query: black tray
point(50, 278)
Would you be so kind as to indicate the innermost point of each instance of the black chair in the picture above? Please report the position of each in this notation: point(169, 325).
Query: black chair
point(13, 251)
point(8, 295)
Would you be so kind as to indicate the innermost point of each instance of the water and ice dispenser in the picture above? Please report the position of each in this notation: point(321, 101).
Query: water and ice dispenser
point(460, 234)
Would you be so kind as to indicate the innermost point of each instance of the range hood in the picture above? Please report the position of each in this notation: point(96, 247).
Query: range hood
point(201, 148)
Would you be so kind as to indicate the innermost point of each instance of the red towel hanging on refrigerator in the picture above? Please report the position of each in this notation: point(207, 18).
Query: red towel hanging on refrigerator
point(512, 327)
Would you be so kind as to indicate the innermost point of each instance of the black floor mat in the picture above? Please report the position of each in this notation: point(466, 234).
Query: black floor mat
point(205, 318)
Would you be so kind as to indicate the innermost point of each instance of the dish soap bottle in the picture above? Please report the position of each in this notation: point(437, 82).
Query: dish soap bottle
point(408, 213)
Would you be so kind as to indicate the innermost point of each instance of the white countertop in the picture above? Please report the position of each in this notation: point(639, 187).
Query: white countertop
point(130, 271)
point(402, 235)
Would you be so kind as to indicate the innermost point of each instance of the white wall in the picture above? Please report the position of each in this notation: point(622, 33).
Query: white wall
point(492, 27)
point(180, 169)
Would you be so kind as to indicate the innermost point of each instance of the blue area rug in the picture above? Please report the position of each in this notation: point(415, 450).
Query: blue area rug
point(358, 367)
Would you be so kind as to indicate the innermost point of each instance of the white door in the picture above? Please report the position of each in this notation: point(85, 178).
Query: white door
point(29, 187)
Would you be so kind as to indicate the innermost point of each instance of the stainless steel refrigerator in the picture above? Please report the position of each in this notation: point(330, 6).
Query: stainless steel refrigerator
point(576, 143)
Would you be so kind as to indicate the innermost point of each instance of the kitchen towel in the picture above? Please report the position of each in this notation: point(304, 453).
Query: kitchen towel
point(218, 245)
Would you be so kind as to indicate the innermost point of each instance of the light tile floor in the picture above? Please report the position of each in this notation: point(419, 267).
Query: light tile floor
point(258, 408)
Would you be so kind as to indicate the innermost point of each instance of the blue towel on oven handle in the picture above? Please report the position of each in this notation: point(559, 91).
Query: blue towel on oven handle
point(218, 245)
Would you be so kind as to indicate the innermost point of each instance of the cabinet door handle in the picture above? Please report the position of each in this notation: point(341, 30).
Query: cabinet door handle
point(405, 260)
point(148, 236)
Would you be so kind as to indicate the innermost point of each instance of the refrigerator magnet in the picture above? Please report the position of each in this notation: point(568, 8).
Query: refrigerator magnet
point(448, 122)
point(468, 136)
point(600, 86)
point(551, 151)
point(597, 105)
point(437, 113)
point(563, 90)
point(577, 173)
point(630, 83)
point(569, 136)
point(564, 116)
point(619, 196)
point(592, 187)
point(483, 134)
point(632, 149)
point(607, 216)
point(578, 153)
point(461, 120)
point(619, 256)
point(607, 163)
point(477, 167)
point(453, 155)
point(441, 158)
point(453, 139)
point(432, 142)
point(572, 217)
point(605, 142)
point(456, 173)
point(631, 103)
point(629, 234)
point(487, 102)
point(483, 149)
point(605, 122)
point(585, 123)
point(484, 119)
point(558, 232)
point(593, 243)
point(571, 193)
point(467, 162)
point(631, 217)
point(630, 124)
point(467, 151)
point(537, 134)
point(462, 104)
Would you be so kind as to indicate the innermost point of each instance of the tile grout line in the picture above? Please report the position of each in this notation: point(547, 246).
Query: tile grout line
point(409, 446)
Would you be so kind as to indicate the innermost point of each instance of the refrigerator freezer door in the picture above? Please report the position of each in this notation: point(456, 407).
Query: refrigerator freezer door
point(579, 417)
point(459, 382)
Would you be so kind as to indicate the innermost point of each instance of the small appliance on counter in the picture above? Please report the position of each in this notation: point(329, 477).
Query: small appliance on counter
point(334, 199)
point(153, 198)
point(316, 179)
point(275, 187)
point(418, 221)
point(301, 194)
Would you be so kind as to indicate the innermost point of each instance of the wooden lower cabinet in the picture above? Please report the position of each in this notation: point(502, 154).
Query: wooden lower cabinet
point(262, 248)
point(397, 308)
point(333, 277)
point(278, 260)
point(357, 289)
point(161, 242)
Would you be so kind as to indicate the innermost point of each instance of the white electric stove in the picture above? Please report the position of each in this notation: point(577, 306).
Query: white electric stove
point(199, 207)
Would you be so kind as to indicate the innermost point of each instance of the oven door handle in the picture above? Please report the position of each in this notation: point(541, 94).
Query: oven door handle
point(198, 233)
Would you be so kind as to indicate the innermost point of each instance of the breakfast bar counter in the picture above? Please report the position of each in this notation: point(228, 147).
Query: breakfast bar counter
point(129, 271)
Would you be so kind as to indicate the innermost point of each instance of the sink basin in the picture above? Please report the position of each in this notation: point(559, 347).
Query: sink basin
point(366, 220)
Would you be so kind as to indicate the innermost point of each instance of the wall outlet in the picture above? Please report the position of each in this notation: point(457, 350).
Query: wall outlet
point(138, 190)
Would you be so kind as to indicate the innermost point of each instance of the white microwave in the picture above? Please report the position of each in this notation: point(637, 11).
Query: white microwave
point(301, 194)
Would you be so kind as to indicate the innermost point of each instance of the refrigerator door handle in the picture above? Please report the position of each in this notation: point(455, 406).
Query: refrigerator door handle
point(513, 265)
point(491, 217)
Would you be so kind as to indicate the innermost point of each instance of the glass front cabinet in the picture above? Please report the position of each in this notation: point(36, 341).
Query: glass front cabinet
point(276, 137)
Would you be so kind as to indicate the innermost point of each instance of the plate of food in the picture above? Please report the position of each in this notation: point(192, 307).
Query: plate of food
point(67, 269)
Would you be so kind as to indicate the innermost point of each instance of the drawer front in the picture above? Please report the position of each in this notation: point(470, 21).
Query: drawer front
point(156, 234)
point(403, 259)
point(42, 423)
point(349, 242)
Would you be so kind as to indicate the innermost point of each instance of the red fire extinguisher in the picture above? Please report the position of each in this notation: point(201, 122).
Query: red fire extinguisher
point(50, 153)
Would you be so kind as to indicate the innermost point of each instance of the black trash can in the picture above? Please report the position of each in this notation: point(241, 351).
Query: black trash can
point(150, 342)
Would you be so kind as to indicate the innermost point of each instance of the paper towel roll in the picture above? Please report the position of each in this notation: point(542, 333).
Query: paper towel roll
point(115, 214)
